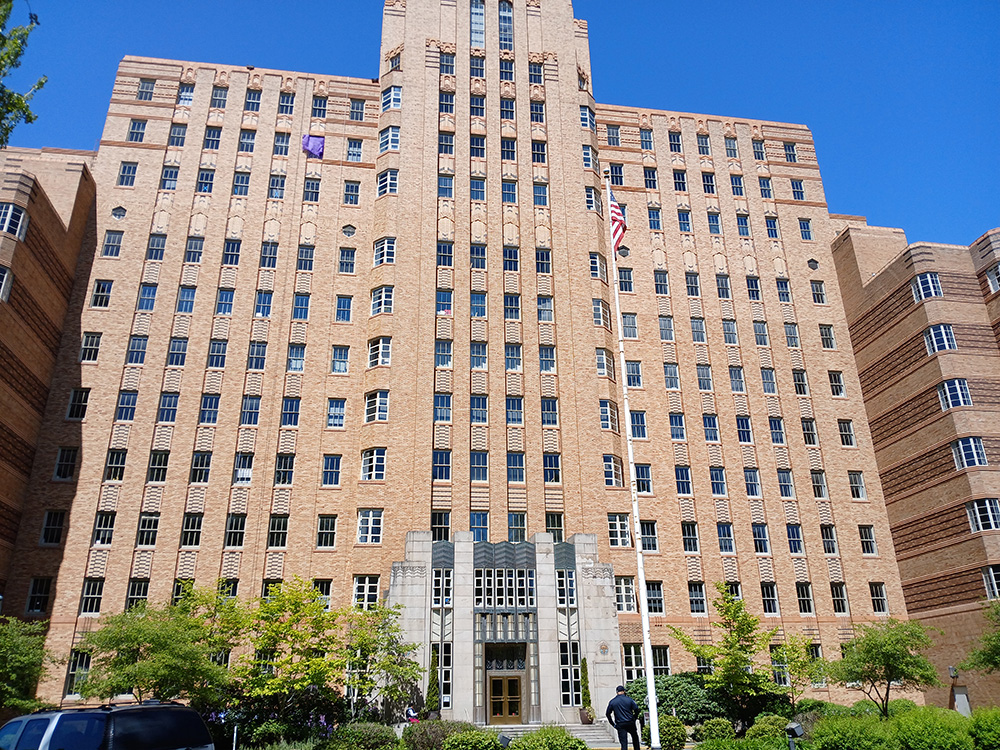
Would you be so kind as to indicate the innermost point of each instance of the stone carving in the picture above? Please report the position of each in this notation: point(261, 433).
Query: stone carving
point(728, 131)
point(674, 126)
point(288, 86)
point(536, 57)
point(255, 82)
point(582, 76)
point(537, 92)
point(395, 4)
point(599, 571)
point(477, 52)
point(320, 88)
point(507, 89)
point(506, 54)
point(222, 78)
point(448, 83)
point(447, 48)
point(477, 87)
point(533, 3)
point(702, 129)
point(188, 76)
point(755, 133)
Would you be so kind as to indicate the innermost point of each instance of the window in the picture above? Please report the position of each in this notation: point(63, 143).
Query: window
point(593, 199)
point(541, 194)
point(250, 411)
point(939, 338)
point(805, 229)
point(373, 464)
point(602, 313)
point(101, 296)
point(185, 299)
point(818, 479)
point(392, 98)
point(682, 476)
point(718, 478)
point(969, 452)
point(790, 155)
point(769, 598)
point(515, 468)
point(446, 186)
point(625, 593)
point(954, 393)
point(761, 542)
point(633, 374)
point(114, 467)
point(826, 337)
point(609, 415)
point(508, 191)
point(177, 353)
point(725, 534)
point(736, 183)
point(78, 400)
point(677, 431)
point(262, 306)
point(506, 109)
point(836, 382)
point(798, 191)
point(880, 603)
point(857, 483)
point(649, 178)
point(708, 183)
point(675, 142)
point(149, 524)
point(795, 545)
point(512, 307)
point(743, 225)
point(867, 535)
point(388, 139)
point(256, 355)
point(90, 604)
point(336, 409)
point(382, 300)
point(711, 424)
point(145, 91)
point(442, 407)
point(801, 383)
point(605, 363)
point(984, 515)
point(638, 422)
point(689, 537)
point(66, 463)
point(666, 328)
point(206, 179)
point(387, 182)
point(357, 111)
point(546, 359)
point(696, 597)
point(698, 334)
point(704, 147)
point(803, 591)
point(512, 357)
point(786, 487)
point(704, 377)
point(136, 354)
point(242, 468)
point(629, 326)
point(838, 591)
point(614, 135)
point(281, 144)
point(737, 382)
point(125, 411)
point(384, 251)
point(743, 430)
point(442, 353)
point(760, 333)
point(479, 409)
point(537, 111)
point(612, 471)
point(310, 190)
point(729, 332)
point(209, 412)
point(441, 466)
point(443, 302)
point(343, 310)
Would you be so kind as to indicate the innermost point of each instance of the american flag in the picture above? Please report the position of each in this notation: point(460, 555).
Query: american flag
point(617, 223)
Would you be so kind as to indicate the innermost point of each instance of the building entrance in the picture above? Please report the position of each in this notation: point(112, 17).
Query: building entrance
point(505, 673)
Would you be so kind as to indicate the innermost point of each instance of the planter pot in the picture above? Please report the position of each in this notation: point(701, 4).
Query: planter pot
point(585, 717)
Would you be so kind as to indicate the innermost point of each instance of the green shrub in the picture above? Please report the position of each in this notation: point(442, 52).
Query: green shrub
point(548, 738)
point(854, 733)
point(865, 707)
point(767, 725)
point(683, 694)
point(716, 729)
point(673, 735)
point(475, 739)
point(361, 736)
point(430, 735)
point(985, 728)
point(932, 729)
point(899, 706)
point(300, 745)
point(758, 744)
point(807, 705)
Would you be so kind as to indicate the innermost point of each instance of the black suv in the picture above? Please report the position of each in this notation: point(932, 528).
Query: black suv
point(143, 726)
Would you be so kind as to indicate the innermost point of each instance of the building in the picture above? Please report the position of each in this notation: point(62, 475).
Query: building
point(361, 331)
point(46, 218)
point(924, 321)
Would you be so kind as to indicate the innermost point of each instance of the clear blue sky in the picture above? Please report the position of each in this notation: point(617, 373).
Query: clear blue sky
point(903, 97)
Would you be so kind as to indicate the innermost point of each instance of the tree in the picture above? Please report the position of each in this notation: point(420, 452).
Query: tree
point(985, 657)
point(737, 676)
point(800, 666)
point(167, 651)
point(883, 656)
point(22, 662)
point(433, 700)
point(13, 106)
point(378, 666)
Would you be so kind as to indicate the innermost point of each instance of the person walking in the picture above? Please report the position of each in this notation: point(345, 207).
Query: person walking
point(623, 713)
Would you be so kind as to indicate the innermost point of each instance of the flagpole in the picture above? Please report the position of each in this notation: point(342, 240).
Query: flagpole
point(647, 647)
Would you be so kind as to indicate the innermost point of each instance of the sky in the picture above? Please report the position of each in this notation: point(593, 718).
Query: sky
point(902, 96)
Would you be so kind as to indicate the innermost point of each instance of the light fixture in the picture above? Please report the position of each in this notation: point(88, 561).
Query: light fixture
point(623, 250)
point(953, 673)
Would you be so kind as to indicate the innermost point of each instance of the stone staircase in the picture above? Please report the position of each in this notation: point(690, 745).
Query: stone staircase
point(598, 735)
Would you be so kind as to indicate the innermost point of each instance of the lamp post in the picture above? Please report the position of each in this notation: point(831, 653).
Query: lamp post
point(647, 648)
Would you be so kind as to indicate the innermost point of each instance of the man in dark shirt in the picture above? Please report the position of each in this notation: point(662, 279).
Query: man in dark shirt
point(623, 713)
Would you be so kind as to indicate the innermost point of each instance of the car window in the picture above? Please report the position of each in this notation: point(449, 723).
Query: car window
point(32, 735)
point(159, 729)
point(7, 734)
point(78, 732)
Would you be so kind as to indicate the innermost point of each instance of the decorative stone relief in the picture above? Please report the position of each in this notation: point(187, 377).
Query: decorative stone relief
point(702, 129)
point(506, 54)
point(537, 92)
point(188, 76)
point(395, 4)
point(448, 83)
point(533, 3)
point(582, 76)
point(255, 82)
point(222, 78)
point(288, 86)
point(477, 86)
point(508, 90)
